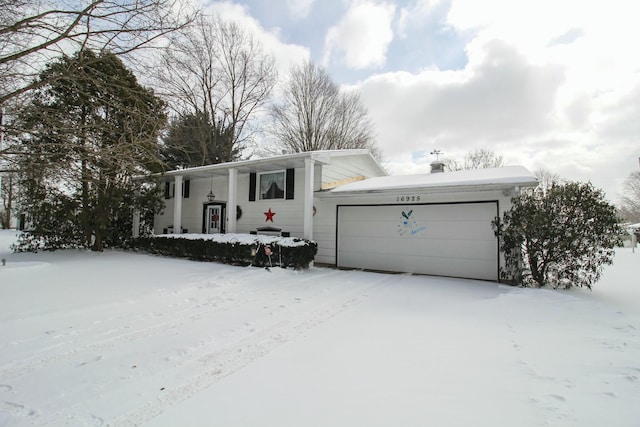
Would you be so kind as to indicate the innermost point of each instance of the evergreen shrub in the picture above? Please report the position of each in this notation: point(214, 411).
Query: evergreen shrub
point(297, 257)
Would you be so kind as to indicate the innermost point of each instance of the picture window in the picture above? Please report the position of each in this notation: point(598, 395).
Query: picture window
point(272, 185)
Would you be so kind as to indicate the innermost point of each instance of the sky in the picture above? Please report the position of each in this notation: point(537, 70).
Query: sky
point(551, 84)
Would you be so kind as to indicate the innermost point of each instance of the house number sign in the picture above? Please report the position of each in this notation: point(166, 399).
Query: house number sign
point(408, 198)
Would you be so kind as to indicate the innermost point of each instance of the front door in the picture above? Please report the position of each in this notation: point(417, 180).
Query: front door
point(214, 219)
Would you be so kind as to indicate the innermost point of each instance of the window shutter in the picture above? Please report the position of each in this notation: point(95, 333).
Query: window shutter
point(185, 188)
point(290, 178)
point(167, 189)
point(252, 187)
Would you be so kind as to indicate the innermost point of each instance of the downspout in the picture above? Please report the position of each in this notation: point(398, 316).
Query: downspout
point(309, 166)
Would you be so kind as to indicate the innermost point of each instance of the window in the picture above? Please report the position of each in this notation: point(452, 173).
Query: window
point(272, 185)
point(186, 185)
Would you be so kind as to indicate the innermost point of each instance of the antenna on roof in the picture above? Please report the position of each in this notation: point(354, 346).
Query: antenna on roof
point(437, 153)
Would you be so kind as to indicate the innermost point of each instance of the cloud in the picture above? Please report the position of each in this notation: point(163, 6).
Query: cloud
point(498, 97)
point(360, 40)
point(547, 84)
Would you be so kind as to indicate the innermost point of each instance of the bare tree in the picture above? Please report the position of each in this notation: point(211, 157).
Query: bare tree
point(8, 189)
point(315, 115)
point(217, 70)
point(32, 33)
point(481, 158)
point(630, 208)
point(547, 178)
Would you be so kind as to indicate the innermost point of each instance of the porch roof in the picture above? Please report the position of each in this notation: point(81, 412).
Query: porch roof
point(285, 161)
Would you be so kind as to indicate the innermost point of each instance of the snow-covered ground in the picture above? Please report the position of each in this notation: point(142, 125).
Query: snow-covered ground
point(128, 339)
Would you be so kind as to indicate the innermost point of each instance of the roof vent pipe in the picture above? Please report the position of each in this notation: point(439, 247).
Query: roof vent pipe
point(437, 166)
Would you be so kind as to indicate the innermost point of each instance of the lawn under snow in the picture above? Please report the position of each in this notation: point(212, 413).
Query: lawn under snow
point(122, 339)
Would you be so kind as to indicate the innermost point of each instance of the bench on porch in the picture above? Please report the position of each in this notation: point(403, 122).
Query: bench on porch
point(271, 231)
point(169, 230)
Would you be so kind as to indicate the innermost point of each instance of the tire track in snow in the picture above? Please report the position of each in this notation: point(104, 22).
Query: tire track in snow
point(195, 314)
point(222, 363)
point(192, 284)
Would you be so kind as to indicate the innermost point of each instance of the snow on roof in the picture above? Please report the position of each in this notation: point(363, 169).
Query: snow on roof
point(507, 176)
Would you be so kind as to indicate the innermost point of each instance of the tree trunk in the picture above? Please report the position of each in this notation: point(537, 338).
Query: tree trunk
point(537, 272)
point(98, 227)
point(86, 209)
point(9, 203)
point(98, 246)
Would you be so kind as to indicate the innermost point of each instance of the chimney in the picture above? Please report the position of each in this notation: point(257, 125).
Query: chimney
point(437, 166)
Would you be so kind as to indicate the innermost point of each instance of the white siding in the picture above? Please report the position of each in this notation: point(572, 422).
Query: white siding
point(193, 205)
point(288, 213)
point(349, 167)
point(324, 230)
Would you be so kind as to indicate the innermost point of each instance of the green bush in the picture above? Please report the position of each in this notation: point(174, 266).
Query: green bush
point(235, 253)
point(561, 236)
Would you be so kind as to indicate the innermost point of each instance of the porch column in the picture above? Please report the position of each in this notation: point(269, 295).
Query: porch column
point(309, 166)
point(177, 205)
point(232, 201)
point(135, 232)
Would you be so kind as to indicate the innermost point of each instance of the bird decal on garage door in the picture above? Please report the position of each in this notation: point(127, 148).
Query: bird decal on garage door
point(408, 226)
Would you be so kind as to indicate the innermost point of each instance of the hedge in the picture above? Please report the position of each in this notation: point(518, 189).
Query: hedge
point(285, 252)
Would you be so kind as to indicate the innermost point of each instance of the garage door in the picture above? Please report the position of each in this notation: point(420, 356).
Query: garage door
point(442, 239)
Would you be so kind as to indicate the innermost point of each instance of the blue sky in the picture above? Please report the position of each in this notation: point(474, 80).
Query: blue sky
point(546, 84)
point(431, 43)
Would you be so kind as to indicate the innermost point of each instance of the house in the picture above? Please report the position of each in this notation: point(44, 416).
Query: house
point(437, 223)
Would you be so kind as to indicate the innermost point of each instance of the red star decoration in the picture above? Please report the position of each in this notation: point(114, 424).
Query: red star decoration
point(269, 215)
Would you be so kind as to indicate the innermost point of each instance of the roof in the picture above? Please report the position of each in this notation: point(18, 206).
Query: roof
point(503, 177)
point(285, 161)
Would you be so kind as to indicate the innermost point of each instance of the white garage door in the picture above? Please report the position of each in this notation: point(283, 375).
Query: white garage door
point(442, 239)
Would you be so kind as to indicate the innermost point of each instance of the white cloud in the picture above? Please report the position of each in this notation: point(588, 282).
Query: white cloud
point(360, 40)
point(497, 98)
point(299, 8)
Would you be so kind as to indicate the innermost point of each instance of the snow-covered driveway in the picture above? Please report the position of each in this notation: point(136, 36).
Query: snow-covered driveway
point(129, 339)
